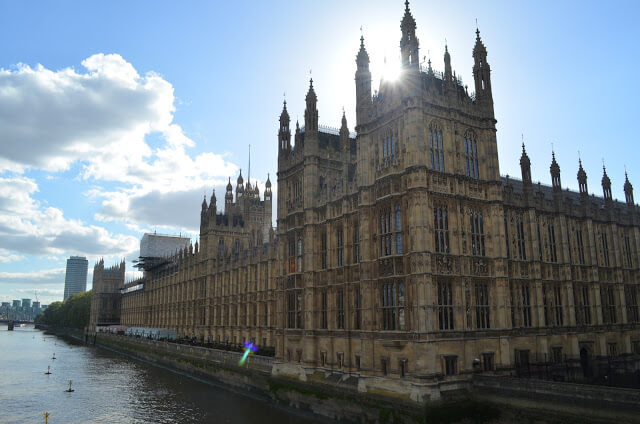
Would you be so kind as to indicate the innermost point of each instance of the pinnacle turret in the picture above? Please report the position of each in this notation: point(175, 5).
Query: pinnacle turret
point(555, 173)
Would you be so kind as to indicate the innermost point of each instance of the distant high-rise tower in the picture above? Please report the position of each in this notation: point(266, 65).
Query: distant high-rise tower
point(75, 280)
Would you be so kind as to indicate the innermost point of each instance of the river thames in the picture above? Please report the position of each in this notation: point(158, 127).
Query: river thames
point(110, 388)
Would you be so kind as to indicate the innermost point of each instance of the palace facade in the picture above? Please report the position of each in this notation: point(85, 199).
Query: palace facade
point(401, 252)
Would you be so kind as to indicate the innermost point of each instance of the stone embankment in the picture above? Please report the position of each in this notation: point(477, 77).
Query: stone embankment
point(339, 397)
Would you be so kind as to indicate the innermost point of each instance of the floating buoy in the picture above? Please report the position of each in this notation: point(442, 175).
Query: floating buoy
point(54, 356)
point(48, 368)
point(46, 418)
point(69, 390)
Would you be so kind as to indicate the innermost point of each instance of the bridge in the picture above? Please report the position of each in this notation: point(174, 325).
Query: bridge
point(15, 321)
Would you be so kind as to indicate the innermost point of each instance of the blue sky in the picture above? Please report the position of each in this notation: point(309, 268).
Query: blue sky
point(116, 117)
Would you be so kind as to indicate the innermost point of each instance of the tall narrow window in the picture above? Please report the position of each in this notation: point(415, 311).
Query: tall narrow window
point(398, 229)
point(582, 310)
point(436, 149)
point(299, 255)
point(441, 225)
point(358, 307)
point(391, 231)
point(445, 306)
point(605, 249)
point(323, 249)
point(580, 246)
point(627, 251)
point(356, 243)
point(520, 304)
point(471, 155)
point(520, 239)
point(553, 255)
point(393, 306)
point(477, 234)
point(631, 298)
point(482, 305)
point(608, 302)
point(557, 305)
point(323, 310)
point(388, 145)
point(291, 268)
point(340, 247)
point(340, 309)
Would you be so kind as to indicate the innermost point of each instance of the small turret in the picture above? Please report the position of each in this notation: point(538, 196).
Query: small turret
point(240, 186)
point(525, 167)
point(228, 198)
point(628, 190)
point(448, 76)
point(606, 185)
point(344, 133)
point(481, 71)
point(212, 203)
point(555, 174)
point(582, 180)
point(284, 134)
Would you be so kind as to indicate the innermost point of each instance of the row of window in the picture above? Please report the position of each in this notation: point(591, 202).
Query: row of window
point(478, 313)
point(576, 244)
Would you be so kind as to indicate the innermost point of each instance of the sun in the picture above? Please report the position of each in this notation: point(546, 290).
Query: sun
point(391, 69)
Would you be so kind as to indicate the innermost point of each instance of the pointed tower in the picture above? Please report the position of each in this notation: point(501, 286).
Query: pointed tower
point(240, 187)
point(448, 76)
point(311, 112)
point(203, 213)
point(363, 85)
point(606, 185)
point(409, 45)
point(628, 190)
point(228, 198)
point(284, 134)
point(344, 133)
point(525, 167)
point(555, 174)
point(481, 72)
point(212, 203)
point(582, 180)
point(268, 208)
point(298, 137)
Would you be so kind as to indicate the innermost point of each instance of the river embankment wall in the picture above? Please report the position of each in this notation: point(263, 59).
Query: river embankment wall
point(334, 396)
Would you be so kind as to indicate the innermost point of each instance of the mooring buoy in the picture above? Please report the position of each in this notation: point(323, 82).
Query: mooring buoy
point(48, 368)
point(69, 390)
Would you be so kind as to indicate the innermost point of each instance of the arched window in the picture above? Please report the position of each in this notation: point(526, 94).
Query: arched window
point(471, 155)
point(388, 145)
point(436, 150)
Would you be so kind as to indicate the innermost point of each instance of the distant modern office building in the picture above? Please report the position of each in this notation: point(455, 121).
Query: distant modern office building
point(16, 303)
point(75, 280)
point(26, 303)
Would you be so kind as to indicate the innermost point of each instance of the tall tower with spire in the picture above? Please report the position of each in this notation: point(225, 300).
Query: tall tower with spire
point(363, 85)
point(311, 112)
point(606, 185)
point(409, 45)
point(525, 167)
point(582, 180)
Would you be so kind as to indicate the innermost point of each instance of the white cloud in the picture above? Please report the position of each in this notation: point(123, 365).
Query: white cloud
point(27, 227)
point(45, 276)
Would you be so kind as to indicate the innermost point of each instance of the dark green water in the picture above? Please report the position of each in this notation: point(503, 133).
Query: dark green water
point(109, 388)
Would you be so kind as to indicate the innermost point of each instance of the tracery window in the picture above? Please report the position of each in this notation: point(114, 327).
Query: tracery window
point(553, 255)
point(608, 304)
point(299, 255)
point(294, 309)
point(436, 150)
point(356, 242)
point(631, 299)
point(323, 310)
point(482, 306)
point(388, 145)
point(520, 238)
point(520, 304)
point(471, 155)
point(393, 306)
point(391, 231)
point(582, 310)
point(323, 249)
point(340, 309)
point(605, 248)
point(358, 307)
point(340, 247)
point(627, 251)
point(580, 246)
point(441, 226)
point(477, 233)
point(445, 306)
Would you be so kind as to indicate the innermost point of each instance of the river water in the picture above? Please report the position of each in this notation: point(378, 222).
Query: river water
point(110, 388)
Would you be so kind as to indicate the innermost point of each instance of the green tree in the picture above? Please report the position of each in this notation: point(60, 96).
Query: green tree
point(73, 312)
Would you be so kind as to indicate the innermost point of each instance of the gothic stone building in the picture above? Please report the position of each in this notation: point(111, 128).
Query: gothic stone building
point(105, 294)
point(402, 256)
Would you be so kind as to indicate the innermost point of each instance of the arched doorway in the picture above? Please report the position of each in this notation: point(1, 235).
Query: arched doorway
point(585, 362)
